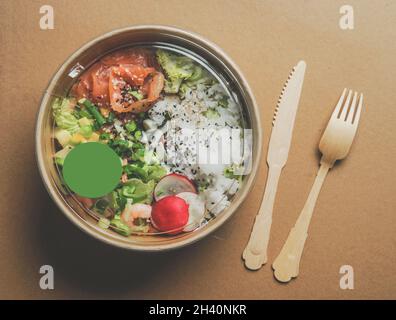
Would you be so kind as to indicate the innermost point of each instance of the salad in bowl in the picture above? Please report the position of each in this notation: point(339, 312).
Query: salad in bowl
point(180, 128)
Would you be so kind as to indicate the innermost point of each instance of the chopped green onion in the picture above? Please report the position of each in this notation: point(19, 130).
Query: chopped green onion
point(104, 136)
point(123, 143)
point(138, 134)
point(110, 118)
point(93, 111)
point(138, 145)
point(81, 113)
point(138, 155)
point(131, 126)
point(95, 126)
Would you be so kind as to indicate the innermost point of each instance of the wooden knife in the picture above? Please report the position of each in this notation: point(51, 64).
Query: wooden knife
point(255, 253)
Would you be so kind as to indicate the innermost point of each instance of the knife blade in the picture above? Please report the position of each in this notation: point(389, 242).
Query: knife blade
point(255, 253)
point(284, 116)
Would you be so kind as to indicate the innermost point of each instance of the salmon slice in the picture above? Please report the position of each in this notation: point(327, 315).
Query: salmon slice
point(105, 82)
point(141, 57)
point(152, 88)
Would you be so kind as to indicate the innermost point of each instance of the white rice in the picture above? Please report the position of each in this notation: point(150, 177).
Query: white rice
point(176, 119)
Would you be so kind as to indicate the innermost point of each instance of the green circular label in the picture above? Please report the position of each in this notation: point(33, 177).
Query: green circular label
point(92, 169)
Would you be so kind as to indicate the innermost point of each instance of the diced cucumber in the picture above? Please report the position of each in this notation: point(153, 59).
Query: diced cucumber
point(84, 122)
point(63, 136)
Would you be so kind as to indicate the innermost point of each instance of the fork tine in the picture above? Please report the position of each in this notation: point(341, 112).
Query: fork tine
point(337, 109)
point(356, 117)
point(345, 106)
point(352, 109)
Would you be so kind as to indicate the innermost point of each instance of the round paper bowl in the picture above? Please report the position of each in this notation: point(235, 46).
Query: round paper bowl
point(60, 85)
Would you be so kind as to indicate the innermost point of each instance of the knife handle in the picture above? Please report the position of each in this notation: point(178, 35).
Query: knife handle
point(255, 253)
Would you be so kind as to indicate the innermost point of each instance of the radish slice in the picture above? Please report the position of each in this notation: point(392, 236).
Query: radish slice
point(196, 209)
point(173, 184)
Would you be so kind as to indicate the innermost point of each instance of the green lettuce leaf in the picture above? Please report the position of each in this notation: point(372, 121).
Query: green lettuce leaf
point(63, 115)
point(177, 69)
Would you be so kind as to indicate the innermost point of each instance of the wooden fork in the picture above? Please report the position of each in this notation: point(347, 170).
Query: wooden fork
point(334, 145)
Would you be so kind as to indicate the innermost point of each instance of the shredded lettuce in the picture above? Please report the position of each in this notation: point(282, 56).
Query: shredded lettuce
point(63, 114)
point(138, 191)
point(182, 73)
point(146, 172)
point(134, 171)
point(183, 90)
point(199, 76)
point(177, 69)
point(61, 155)
point(155, 172)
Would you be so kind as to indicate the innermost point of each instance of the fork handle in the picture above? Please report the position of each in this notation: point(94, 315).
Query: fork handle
point(286, 265)
point(255, 253)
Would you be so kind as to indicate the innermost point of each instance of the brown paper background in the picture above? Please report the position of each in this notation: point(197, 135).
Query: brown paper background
point(354, 221)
